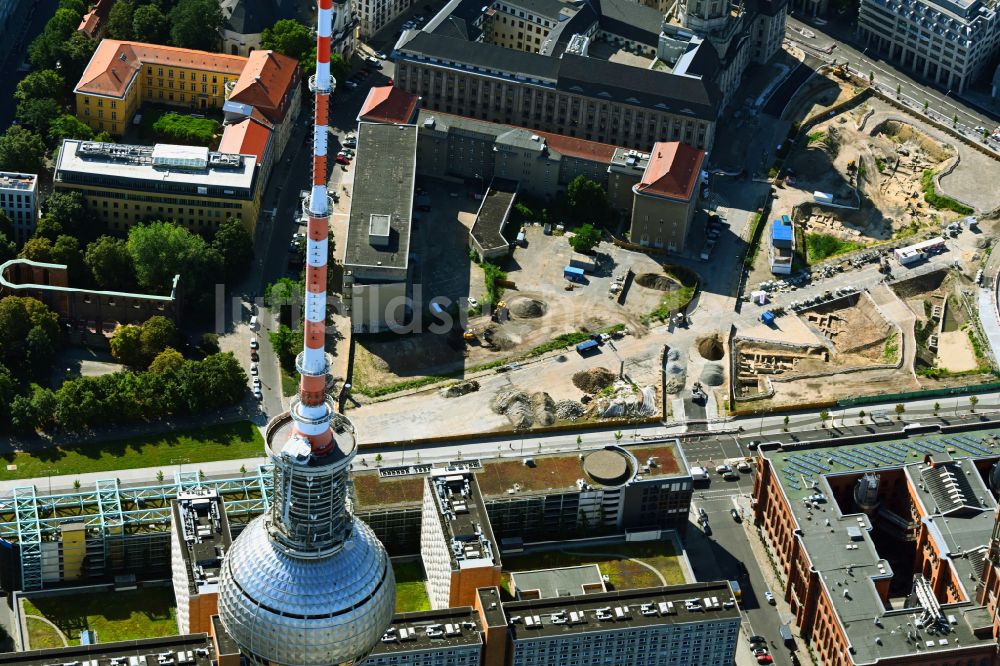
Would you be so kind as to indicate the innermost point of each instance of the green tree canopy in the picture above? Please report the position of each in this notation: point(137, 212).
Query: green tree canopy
point(6, 226)
point(290, 38)
point(68, 126)
point(40, 354)
point(21, 150)
point(75, 53)
point(168, 360)
point(157, 334)
point(66, 250)
point(585, 239)
point(69, 209)
point(38, 114)
point(150, 25)
point(235, 244)
point(23, 417)
point(126, 346)
point(587, 199)
point(161, 250)
point(8, 248)
point(77, 6)
point(195, 24)
point(110, 263)
point(120, 20)
point(41, 84)
point(18, 316)
point(48, 228)
point(38, 248)
point(46, 49)
point(8, 389)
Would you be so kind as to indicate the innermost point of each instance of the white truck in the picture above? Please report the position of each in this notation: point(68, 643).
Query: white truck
point(699, 473)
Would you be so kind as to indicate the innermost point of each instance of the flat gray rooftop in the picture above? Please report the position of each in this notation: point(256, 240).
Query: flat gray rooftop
point(958, 513)
point(463, 515)
point(436, 629)
point(104, 653)
point(487, 230)
point(560, 582)
point(641, 608)
point(384, 173)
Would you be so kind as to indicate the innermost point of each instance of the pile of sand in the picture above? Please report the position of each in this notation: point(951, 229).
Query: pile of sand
point(593, 380)
point(524, 410)
point(526, 308)
point(658, 282)
point(462, 388)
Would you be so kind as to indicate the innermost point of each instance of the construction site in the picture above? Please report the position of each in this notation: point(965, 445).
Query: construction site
point(845, 335)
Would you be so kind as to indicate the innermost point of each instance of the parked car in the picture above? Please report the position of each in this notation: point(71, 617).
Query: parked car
point(342, 159)
point(722, 469)
point(372, 59)
point(731, 476)
point(770, 598)
point(253, 323)
point(765, 659)
point(351, 142)
point(257, 394)
point(754, 640)
point(254, 344)
point(736, 515)
point(253, 369)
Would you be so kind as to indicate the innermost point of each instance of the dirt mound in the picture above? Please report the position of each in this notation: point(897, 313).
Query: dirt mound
point(462, 388)
point(711, 348)
point(526, 308)
point(712, 375)
point(524, 410)
point(593, 380)
point(658, 282)
point(568, 410)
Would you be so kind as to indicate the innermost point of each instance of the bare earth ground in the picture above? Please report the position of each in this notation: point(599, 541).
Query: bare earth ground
point(955, 352)
point(537, 271)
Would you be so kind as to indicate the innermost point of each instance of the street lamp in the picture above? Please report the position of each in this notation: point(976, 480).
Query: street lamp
point(179, 462)
point(49, 473)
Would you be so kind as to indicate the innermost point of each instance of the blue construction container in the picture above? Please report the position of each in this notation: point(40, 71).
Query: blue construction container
point(586, 347)
point(574, 274)
point(767, 317)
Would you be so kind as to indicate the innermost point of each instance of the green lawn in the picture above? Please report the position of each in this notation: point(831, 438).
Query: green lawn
point(41, 635)
point(219, 442)
point(623, 573)
point(180, 128)
point(289, 383)
point(411, 592)
point(116, 616)
point(824, 246)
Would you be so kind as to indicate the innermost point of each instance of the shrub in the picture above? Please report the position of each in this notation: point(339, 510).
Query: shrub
point(186, 129)
point(940, 201)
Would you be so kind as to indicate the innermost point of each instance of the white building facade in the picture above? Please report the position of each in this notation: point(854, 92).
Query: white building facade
point(19, 200)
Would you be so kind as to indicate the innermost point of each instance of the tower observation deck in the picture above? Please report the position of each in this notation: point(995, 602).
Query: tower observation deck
point(307, 583)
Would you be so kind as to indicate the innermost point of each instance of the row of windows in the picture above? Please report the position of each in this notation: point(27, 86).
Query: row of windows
point(170, 75)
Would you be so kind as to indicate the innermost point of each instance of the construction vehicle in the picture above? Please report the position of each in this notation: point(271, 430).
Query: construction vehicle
point(470, 336)
point(697, 394)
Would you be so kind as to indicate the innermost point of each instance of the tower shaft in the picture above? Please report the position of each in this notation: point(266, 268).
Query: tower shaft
point(312, 410)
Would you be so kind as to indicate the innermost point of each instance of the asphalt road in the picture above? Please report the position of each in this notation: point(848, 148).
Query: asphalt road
point(818, 38)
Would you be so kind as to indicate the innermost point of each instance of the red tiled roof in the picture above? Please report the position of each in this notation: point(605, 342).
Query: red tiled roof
point(247, 137)
point(91, 22)
point(115, 63)
point(388, 104)
point(265, 81)
point(673, 170)
point(581, 148)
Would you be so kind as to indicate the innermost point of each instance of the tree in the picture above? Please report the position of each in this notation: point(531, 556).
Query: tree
point(110, 263)
point(287, 344)
point(586, 199)
point(973, 401)
point(618, 436)
point(861, 417)
point(168, 360)
point(157, 334)
point(21, 150)
point(161, 250)
point(75, 54)
point(900, 408)
point(871, 77)
point(8, 391)
point(38, 114)
point(585, 239)
point(46, 49)
point(23, 418)
point(937, 408)
point(290, 38)
point(68, 126)
point(39, 249)
point(785, 422)
point(235, 244)
point(210, 343)
point(77, 6)
point(40, 354)
point(45, 83)
point(66, 250)
point(70, 210)
point(150, 25)
point(195, 24)
point(120, 20)
point(579, 442)
point(899, 90)
point(926, 104)
point(8, 248)
point(823, 416)
point(340, 69)
point(126, 346)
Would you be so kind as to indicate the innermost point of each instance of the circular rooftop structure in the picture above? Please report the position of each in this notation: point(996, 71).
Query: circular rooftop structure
point(608, 467)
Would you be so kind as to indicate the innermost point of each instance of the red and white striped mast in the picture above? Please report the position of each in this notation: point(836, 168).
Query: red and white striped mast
point(312, 411)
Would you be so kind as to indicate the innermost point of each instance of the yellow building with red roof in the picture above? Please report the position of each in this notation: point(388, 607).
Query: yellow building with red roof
point(122, 76)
